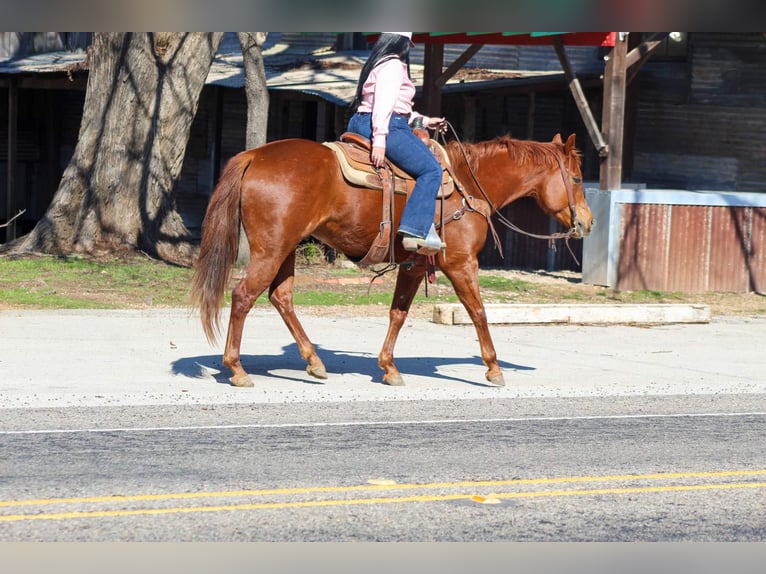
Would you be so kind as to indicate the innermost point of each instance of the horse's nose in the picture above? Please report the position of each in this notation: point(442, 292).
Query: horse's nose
point(584, 225)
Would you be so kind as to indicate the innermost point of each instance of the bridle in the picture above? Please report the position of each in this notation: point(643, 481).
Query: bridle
point(565, 174)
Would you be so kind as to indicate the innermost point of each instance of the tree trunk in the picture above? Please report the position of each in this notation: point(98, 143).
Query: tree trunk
point(257, 106)
point(255, 87)
point(117, 192)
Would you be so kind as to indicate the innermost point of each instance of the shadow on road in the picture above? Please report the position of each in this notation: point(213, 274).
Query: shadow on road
point(335, 361)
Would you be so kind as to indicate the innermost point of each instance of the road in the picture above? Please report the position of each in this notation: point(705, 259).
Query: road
point(655, 435)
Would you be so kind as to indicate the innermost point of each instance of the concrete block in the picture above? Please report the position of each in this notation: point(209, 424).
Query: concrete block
point(651, 314)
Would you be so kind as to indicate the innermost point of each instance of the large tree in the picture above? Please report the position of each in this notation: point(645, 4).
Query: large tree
point(255, 87)
point(257, 105)
point(117, 192)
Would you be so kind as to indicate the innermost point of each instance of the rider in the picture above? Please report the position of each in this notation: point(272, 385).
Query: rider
point(384, 114)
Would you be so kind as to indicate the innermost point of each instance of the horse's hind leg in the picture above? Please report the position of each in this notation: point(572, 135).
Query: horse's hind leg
point(242, 298)
point(281, 296)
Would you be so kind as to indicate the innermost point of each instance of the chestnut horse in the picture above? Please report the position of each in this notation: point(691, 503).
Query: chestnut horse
point(291, 189)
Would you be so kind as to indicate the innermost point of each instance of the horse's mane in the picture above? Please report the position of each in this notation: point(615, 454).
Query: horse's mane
point(522, 152)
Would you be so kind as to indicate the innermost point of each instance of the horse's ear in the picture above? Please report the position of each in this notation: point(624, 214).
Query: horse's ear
point(570, 145)
point(557, 139)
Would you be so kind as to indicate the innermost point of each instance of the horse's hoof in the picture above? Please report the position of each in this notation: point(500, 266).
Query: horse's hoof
point(318, 371)
point(393, 380)
point(241, 381)
point(497, 380)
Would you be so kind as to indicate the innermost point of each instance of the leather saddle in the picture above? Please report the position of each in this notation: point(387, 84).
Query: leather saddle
point(353, 154)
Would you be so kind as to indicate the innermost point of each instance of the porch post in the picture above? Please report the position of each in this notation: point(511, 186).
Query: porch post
point(13, 96)
point(613, 116)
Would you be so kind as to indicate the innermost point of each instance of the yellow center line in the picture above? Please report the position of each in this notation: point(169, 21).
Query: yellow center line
point(376, 487)
point(377, 500)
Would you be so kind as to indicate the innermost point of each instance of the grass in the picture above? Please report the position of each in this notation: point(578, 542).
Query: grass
point(45, 299)
point(326, 298)
point(504, 284)
point(76, 283)
point(43, 282)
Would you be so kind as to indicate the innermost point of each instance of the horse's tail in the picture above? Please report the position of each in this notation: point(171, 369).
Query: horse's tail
point(219, 246)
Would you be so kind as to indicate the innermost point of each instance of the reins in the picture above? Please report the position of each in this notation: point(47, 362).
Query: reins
point(566, 236)
point(493, 210)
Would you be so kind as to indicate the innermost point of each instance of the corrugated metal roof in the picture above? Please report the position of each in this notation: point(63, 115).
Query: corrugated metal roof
point(299, 62)
point(309, 63)
point(49, 62)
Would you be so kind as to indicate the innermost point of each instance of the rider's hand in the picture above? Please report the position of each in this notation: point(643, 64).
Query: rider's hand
point(437, 124)
point(378, 156)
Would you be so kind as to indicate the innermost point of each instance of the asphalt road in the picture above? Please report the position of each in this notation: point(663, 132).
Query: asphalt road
point(646, 469)
point(111, 433)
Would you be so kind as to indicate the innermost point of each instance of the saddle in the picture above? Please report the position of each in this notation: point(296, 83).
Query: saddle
point(353, 154)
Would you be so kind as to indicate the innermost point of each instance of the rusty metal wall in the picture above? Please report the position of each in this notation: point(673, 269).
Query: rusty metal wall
point(757, 268)
point(692, 248)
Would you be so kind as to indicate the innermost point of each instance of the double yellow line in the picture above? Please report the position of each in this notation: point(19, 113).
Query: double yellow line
point(473, 488)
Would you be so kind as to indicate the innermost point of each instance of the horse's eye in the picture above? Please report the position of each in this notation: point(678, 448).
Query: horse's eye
point(576, 179)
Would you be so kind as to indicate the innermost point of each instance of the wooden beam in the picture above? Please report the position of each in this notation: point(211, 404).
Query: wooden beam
point(638, 56)
point(580, 100)
point(613, 120)
point(433, 61)
point(531, 107)
point(455, 66)
point(13, 112)
point(641, 52)
point(41, 82)
point(469, 118)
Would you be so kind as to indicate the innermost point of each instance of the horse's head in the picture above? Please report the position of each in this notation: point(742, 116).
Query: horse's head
point(562, 193)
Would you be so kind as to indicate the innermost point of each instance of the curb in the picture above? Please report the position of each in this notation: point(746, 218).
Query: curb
point(509, 314)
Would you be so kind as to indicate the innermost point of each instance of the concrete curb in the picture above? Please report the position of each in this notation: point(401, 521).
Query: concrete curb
point(510, 314)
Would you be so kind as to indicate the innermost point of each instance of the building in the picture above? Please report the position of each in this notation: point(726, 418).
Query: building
point(692, 112)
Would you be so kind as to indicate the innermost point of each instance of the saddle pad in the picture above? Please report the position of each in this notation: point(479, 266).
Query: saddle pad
point(359, 173)
point(355, 164)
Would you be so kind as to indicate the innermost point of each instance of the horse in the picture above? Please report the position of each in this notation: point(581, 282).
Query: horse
point(291, 189)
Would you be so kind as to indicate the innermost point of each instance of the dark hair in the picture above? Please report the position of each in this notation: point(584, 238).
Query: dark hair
point(386, 47)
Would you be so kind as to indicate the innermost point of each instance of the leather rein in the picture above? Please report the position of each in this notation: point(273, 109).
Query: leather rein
point(572, 232)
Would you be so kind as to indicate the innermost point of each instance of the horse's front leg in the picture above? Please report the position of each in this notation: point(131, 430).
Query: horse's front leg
point(281, 296)
point(407, 283)
point(465, 280)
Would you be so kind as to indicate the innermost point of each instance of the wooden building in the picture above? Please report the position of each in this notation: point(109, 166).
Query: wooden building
point(692, 116)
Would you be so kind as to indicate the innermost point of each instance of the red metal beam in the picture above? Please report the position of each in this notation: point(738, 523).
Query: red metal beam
point(517, 38)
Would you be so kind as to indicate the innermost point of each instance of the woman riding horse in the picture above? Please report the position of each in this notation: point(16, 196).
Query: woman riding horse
point(384, 115)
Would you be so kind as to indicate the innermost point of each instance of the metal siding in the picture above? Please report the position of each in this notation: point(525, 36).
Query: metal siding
point(643, 259)
point(692, 248)
point(688, 248)
point(728, 250)
point(583, 59)
point(758, 251)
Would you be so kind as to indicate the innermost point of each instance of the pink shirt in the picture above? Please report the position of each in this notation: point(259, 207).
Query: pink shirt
point(388, 90)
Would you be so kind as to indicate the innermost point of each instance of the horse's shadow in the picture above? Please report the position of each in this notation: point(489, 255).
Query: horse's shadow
point(335, 362)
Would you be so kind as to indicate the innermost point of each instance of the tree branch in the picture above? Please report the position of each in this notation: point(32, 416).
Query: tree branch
point(19, 214)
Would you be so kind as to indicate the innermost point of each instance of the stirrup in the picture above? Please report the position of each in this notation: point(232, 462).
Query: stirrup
point(428, 245)
point(418, 244)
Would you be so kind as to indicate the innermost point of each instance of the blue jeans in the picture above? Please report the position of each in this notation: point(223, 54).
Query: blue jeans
point(407, 151)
